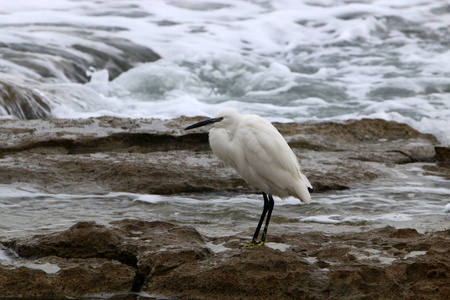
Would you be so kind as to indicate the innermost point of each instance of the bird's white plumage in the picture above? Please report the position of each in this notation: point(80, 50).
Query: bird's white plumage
point(259, 153)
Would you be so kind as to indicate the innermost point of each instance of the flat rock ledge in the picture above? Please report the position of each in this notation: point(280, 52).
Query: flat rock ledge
point(106, 154)
point(167, 260)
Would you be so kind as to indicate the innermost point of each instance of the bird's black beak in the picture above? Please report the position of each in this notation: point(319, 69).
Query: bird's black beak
point(203, 123)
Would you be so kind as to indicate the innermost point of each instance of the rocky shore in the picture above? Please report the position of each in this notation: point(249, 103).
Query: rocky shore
point(102, 155)
point(163, 259)
point(99, 155)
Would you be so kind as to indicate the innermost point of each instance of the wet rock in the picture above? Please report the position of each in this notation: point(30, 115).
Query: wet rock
point(443, 154)
point(99, 155)
point(82, 240)
point(54, 277)
point(404, 233)
point(359, 283)
point(400, 280)
point(23, 102)
point(177, 261)
point(127, 56)
point(70, 64)
point(357, 265)
point(123, 255)
point(260, 273)
point(161, 246)
point(440, 169)
point(364, 130)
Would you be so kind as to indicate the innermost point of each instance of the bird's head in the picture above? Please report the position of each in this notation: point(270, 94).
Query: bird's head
point(223, 119)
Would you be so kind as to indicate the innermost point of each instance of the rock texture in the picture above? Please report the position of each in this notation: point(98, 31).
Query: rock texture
point(106, 154)
point(22, 101)
point(71, 61)
point(74, 277)
point(168, 260)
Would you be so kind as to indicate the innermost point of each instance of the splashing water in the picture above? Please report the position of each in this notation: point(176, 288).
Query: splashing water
point(302, 61)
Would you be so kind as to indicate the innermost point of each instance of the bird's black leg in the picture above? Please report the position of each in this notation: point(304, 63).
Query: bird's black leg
point(269, 214)
point(268, 207)
point(263, 216)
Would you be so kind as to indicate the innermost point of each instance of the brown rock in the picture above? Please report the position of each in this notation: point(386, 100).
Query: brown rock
point(443, 154)
point(161, 246)
point(75, 278)
point(404, 233)
point(146, 248)
point(175, 261)
point(364, 130)
point(23, 102)
point(259, 273)
point(83, 240)
point(100, 155)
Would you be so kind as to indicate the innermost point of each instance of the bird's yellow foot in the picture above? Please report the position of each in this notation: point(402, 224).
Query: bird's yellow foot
point(253, 243)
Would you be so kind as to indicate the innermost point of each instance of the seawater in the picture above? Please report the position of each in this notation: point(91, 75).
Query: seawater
point(289, 61)
point(418, 201)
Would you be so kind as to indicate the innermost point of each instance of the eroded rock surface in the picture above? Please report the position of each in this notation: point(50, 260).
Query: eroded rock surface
point(22, 101)
point(100, 155)
point(165, 259)
point(53, 277)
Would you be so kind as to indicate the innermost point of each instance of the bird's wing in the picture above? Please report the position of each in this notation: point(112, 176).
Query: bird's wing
point(223, 147)
point(268, 154)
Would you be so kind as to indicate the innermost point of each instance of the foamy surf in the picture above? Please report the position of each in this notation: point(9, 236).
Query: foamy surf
point(288, 61)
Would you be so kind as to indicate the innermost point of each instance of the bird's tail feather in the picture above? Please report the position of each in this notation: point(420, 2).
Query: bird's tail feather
point(302, 192)
point(306, 181)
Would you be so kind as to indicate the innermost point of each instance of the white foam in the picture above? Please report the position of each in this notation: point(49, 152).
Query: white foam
point(324, 219)
point(337, 219)
point(447, 208)
point(150, 198)
point(216, 248)
point(397, 217)
point(3, 255)
point(372, 254)
point(289, 61)
point(311, 259)
point(414, 254)
point(46, 267)
point(278, 246)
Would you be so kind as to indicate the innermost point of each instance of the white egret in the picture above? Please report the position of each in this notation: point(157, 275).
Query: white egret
point(258, 152)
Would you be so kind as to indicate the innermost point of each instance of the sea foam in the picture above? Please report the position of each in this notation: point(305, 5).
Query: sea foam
point(355, 60)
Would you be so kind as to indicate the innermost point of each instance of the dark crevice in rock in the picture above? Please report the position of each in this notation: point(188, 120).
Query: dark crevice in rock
point(138, 282)
point(443, 154)
point(145, 142)
point(411, 159)
point(132, 142)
